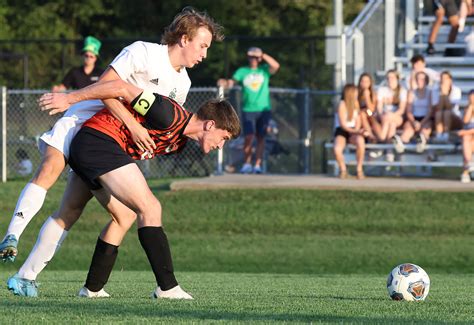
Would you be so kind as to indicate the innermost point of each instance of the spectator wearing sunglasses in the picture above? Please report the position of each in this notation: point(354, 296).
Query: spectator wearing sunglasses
point(88, 73)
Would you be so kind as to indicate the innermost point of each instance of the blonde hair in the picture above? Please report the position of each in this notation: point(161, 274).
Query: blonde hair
point(350, 99)
point(396, 92)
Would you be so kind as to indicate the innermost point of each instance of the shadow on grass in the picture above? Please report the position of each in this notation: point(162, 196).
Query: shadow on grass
point(174, 311)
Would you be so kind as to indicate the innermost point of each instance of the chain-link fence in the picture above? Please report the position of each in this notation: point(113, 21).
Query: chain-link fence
point(302, 120)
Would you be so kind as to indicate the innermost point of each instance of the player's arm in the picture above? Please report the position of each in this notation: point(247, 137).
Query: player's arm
point(104, 90)
point(139, 134)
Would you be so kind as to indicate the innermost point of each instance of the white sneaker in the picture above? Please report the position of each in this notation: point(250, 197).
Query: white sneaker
point(398, 144)
point(465, 178)
point(421, 143)
point(390, 156)
point(461, 24)
point(173, 293)
point(246, 169)
point(86, 293)
point(375, 154)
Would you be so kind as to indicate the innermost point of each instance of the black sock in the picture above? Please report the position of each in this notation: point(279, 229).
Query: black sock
point(102, 264)
point(155, 244)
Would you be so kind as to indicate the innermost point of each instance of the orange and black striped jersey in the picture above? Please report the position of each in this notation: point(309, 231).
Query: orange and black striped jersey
point(168, 137)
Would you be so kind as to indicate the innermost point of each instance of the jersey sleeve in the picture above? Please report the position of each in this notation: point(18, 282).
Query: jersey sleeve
point(132, 60)
point(158, 110)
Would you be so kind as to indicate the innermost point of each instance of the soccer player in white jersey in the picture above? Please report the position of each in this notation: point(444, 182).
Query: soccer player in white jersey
point(154, 67)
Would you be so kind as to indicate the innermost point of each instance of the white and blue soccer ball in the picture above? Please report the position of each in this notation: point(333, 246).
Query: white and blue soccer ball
point(408, 282)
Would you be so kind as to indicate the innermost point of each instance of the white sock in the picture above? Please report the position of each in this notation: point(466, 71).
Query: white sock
point(29, 203)
point(49, 240)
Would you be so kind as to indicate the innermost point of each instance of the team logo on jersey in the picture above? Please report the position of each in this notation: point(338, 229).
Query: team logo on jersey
point(173, 93)
point(19, 215)
point(155, 81)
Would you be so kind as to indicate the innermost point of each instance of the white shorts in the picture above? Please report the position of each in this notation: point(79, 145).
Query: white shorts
point(64, 130)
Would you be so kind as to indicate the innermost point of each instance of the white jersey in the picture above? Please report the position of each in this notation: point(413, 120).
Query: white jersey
point(142, 64)
point(148, 66)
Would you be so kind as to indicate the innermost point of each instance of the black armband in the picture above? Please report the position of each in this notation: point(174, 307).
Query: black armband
point(157, 110)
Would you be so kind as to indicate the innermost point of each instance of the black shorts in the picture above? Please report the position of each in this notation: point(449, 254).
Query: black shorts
point(451, 7)
point(93, 154)
point(341, 132)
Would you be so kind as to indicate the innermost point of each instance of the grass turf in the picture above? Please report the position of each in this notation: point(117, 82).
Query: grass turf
point(244, 297)
point(252, 255)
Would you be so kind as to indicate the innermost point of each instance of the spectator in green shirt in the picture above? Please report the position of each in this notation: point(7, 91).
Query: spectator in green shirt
point(256, 106)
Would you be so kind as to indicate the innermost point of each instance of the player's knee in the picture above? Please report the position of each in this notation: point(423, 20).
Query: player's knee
point(124, 220)
point(48, 171)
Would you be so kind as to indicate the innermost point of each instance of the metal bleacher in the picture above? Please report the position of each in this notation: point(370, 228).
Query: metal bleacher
point(436, 155)
point(460, 67)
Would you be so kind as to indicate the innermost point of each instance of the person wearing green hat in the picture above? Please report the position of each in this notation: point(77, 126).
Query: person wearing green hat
point(88, 73)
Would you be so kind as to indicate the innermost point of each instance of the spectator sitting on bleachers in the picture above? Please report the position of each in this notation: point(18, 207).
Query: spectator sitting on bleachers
point(391, 105)
point(467, 135)
point(368, 105)
point(445, 102)
point(418, 64)
point(418, 115)
point(347, 124)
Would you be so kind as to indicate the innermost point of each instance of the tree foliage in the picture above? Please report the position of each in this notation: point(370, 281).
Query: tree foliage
point(50, 34)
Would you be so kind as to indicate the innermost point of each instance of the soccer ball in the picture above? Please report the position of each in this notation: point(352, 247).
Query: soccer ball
point(408, 282)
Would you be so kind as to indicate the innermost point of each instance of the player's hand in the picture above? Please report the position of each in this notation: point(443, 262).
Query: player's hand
point(54, 103)
point(141, 138)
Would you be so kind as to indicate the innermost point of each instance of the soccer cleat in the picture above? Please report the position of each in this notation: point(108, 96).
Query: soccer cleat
point(22, 287)
point(246, 169)
point(8, 248)
point(86, 293)
point(398, 144)
point(173, 293)
point(257, 170)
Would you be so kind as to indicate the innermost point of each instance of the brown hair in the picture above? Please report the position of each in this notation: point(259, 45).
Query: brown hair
point(350, 100)
point(427, 78)
point(446, 72)
point(371, 88)
point(187, 22)
point(221, 112)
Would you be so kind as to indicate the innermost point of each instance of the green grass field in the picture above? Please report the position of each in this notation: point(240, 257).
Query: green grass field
point(263, 256)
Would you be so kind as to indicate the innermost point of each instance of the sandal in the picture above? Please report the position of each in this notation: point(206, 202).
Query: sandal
point(360, 174)
point(343, 174)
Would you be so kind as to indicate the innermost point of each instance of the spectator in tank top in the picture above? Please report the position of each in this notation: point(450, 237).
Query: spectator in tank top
point(419, 115)
point(347, 124)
